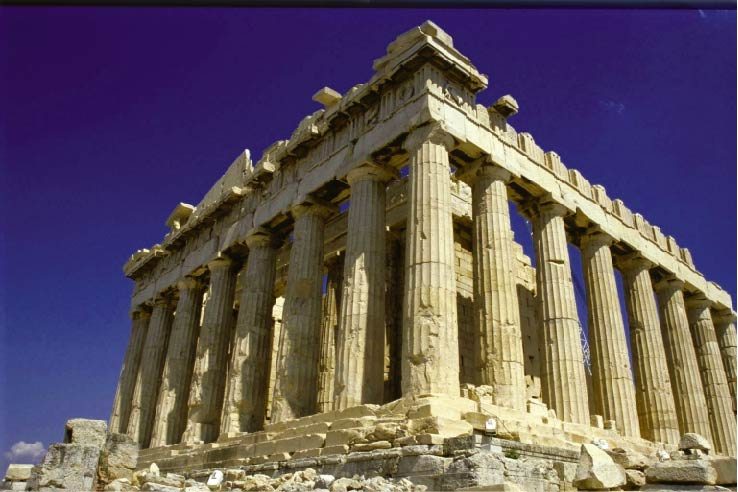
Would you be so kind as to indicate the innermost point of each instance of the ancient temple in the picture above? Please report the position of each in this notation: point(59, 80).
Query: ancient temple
point(363, 274)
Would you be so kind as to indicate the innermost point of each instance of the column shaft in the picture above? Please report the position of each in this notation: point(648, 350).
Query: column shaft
point(329, 327)
point(689, 397)
point(171, 408)
point(393, 315)
point(360, 337)
point(714, 381)
point(612, 378)
point(149, 375)
point(495, 291)
point(726, 337)
point(295, 388)
point(654, 398)
point(211, 362)
point(248, 374)
point(127, 379)
point(430, 346)
point(563, 382)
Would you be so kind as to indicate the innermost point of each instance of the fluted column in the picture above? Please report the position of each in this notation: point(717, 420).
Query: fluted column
point(726, 337)
point(328, 329)
point(654, 399)
point(211, 362)
point(127, 380)
point(248, 374)
point(497, 313)
point(714, 381)
point(360, 337)
point(171, 407)
point(689, 397)
point(563, 382)
point(295, 388)
point(430, 362)
point(149, 374)
point(612, 378)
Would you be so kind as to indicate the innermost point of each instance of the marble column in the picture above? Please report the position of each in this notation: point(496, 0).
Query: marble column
point(689, 397)
point(211, 362)
point(725, 330)
point(654, 399)
point(148, 379)
point(430, 345)
point(329, 327)
point(393, 313)
point(296, 385)
point(171, 407)
point(360, 337)
point(563, 381)
point(127, 380)
point(612, 378)
point(497, 313)
point(714, 381)
point(245, 402)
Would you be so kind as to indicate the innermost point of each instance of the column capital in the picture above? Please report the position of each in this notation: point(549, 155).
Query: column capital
point(188, 282)
point(484, 167)
point(163, 299)
point(724, 316)
point(141, 311)
point(220, 262)
point(313, 206)
point(372, 172)
point(633, 262)
point(668, 283)
point(434, 133)
point(594, 236)
point(259, 237)
point(697, 301)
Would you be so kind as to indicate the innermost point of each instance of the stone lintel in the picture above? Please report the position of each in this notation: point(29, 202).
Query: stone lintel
point(327, 97)
point(179, 215)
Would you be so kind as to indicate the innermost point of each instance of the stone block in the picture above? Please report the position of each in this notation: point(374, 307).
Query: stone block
point(293, 444)
point(18, 472)
point(118, 458)
point(439, 425)
point(682, 471)
point(334, 449)
point(597, 471)
point(314, 428)
point(346, 436)
point(422, 465)
point(634, 479)
point(725, 469)
point(71, 466)
point(307, 453)
point(86, 432)
point(371, 446)
point(351, 423)
point(629, 459)
point(691, 440)
point(597, 421)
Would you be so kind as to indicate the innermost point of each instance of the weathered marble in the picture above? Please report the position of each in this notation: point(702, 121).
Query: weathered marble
point(655, 401)
point(211, 362)
point(329, 327)
point(612, 378)
point(686, 384)
point(724, 321)
point(248, 374)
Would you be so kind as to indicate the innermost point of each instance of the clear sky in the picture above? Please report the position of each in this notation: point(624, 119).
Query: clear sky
point(111, 116)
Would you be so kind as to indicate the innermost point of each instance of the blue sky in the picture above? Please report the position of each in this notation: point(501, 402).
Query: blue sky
point(110, 116)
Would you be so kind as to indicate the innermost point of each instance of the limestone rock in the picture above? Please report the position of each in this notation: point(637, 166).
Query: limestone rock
point(70, 466)
point(257, 483)
point(324, 481)
point(634, 479)
point(597, 471)
point(86, 432)
point(18, 472)
point(157, 487)
point(690, 441)
point(629, 459)
point(345, 484)
point(725, 467)
point(120, 485)
point(118, 458)
point(682, 471)
point(169, 481)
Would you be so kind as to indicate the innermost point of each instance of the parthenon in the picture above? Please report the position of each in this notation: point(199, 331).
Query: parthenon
point(366, 268)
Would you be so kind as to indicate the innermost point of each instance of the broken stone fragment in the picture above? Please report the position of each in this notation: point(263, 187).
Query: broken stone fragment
point(18, 472)
point(691, 440)
point(629, 459)
point(682, 472)
point(597, 471)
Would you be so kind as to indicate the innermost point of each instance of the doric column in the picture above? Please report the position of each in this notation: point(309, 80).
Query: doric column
point(295, 389)
point(612, 379)
point(127, 379)
point(726, 337)
point(430, 362)
point(714, 381)
point(689, 397)
point(497, 315)
point(563, 382)
point(654, 398)
point(328, 329)
point(149, 374)
point(360, 337)
point(211, 362)
point(248, 374)
point(171, 407)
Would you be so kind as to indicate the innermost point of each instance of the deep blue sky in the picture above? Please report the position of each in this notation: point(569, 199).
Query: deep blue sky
point(110, 116)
